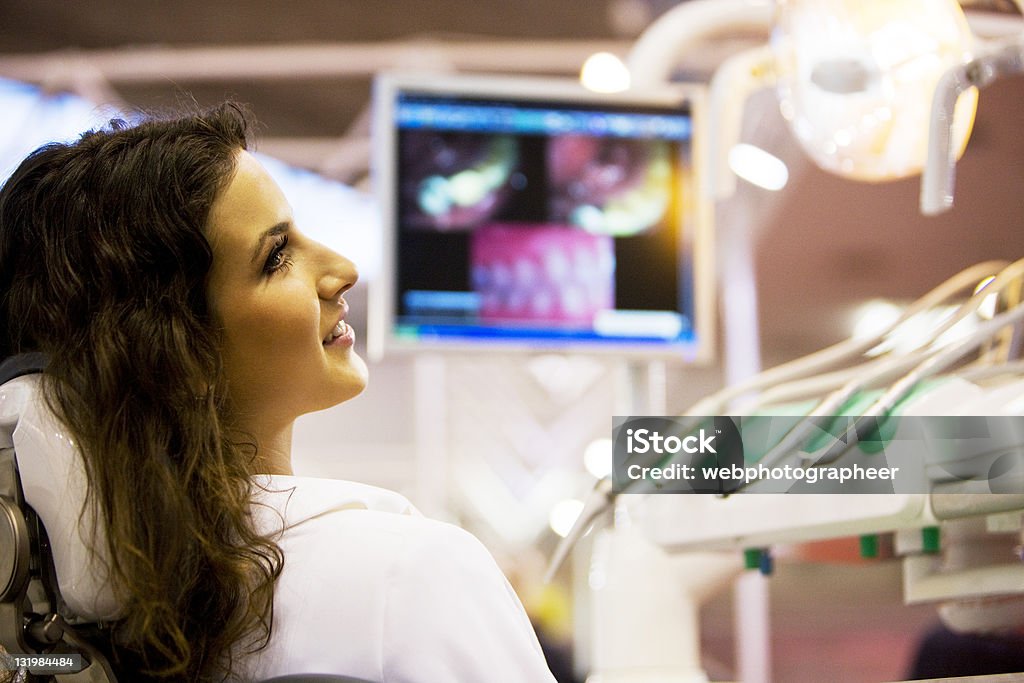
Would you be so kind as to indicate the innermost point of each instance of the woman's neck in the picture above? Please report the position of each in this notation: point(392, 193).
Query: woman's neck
point(273, 449)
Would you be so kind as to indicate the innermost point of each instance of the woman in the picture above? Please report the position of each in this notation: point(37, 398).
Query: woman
point(188, 322)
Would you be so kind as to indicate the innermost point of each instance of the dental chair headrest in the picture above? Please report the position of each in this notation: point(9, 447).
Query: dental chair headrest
point(54, 483)
point(22, 364)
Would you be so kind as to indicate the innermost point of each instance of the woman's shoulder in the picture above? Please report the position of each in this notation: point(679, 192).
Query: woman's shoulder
point(376, 522)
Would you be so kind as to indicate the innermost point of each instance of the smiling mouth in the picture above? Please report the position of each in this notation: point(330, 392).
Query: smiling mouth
point(340, 330)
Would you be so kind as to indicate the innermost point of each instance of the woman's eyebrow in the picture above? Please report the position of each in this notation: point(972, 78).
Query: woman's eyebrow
point(279, 229)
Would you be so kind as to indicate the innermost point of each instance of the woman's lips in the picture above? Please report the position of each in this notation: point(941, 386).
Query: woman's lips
point(342, 333)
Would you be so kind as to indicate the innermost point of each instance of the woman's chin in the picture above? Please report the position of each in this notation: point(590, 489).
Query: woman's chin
point(353, 380)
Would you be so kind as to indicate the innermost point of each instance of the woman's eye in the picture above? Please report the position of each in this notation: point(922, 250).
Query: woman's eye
point(278, 257)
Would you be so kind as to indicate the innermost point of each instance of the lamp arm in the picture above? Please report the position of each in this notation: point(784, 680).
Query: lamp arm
point(938, 178)
point(658, 49)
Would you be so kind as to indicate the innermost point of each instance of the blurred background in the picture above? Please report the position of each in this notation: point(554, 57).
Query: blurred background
point(496, 442)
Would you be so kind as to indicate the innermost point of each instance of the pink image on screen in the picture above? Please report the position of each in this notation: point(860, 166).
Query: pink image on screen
point(542, 273)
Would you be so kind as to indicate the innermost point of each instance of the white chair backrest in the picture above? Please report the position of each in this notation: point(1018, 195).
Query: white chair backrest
point(54, 482)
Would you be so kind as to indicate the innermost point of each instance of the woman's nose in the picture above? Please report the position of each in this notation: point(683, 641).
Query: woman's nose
point(337, 276)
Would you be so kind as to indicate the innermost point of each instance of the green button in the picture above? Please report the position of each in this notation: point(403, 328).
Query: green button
point(869, 545)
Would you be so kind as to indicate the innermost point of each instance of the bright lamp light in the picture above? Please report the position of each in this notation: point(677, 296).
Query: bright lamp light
point(604, 72)
point(856, 80)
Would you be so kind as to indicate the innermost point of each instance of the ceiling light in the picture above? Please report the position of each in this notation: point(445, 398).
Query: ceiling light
point(597, 458)
point(604, 72)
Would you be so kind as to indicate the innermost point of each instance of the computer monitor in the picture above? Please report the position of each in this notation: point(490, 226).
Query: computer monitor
point(527, 213)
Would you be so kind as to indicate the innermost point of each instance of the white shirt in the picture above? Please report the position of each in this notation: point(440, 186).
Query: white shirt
point(371, 589)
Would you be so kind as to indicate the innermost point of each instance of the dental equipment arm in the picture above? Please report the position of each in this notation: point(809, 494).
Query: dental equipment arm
point(832, 403)
point(844, 350)
point(602, 497)
point(930, 367)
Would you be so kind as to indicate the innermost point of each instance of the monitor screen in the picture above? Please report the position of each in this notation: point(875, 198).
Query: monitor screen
point(533, 214)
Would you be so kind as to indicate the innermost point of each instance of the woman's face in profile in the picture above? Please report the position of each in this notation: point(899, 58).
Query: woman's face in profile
point(277, 294)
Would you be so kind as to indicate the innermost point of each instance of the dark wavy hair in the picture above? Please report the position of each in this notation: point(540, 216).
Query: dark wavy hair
point(103, 267)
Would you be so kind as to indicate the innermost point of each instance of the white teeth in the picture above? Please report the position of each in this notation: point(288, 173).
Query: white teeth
point(339, 329)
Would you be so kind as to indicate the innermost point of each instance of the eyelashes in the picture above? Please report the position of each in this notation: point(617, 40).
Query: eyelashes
point(278, 260)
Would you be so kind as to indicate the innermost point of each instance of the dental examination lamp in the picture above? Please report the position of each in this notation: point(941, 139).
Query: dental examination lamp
point(884, 90)
point(872, 91)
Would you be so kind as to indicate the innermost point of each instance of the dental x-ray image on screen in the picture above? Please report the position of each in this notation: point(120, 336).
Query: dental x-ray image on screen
point(530, 213)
